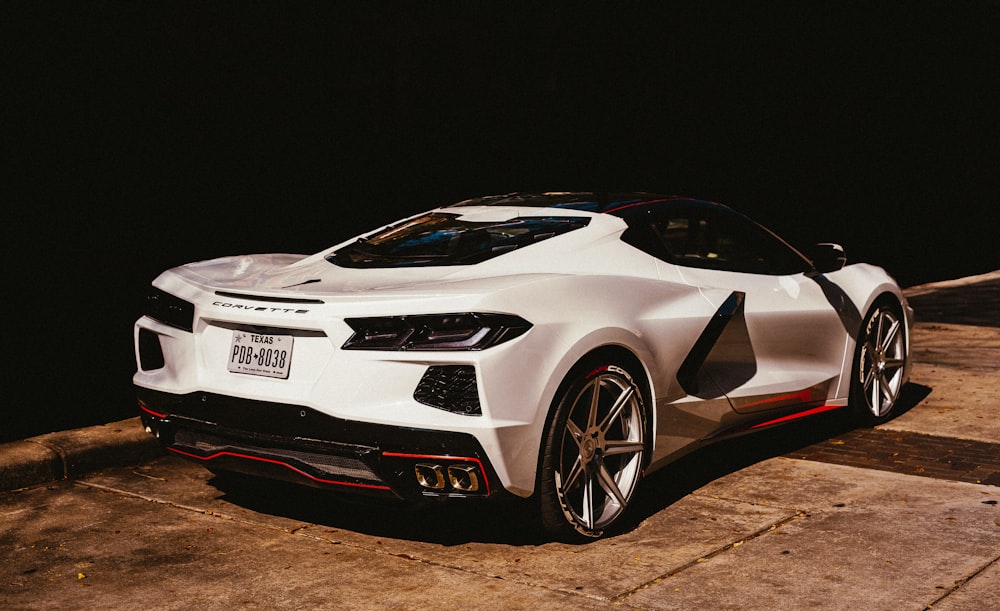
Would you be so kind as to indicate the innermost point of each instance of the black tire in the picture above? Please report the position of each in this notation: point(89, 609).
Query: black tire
point(880, 361)
point(594, 452)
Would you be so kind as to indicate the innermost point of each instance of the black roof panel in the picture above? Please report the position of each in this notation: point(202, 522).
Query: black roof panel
point(586, 201)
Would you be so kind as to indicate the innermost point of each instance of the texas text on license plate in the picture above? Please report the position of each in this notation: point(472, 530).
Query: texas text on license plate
point(260, 354)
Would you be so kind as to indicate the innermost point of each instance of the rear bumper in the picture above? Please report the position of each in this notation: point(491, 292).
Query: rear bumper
point(299, 444)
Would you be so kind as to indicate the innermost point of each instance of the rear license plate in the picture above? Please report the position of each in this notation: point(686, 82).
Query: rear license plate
point(260, 354)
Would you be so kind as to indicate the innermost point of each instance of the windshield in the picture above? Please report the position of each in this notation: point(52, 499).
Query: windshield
point(443, 239)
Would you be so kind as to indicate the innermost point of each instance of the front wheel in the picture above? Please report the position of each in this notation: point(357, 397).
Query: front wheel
point(593, 454)
point(879, 364)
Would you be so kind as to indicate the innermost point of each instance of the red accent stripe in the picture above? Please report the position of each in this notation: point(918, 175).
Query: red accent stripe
point(277, 462)
point(595, 372)
point(451, 458)
point(804, 396)
point(808, 412)
point(151, 412)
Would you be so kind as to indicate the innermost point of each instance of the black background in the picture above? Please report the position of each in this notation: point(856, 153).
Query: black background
point(139, 136)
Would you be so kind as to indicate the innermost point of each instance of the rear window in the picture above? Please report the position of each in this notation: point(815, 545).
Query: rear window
point(442, 239)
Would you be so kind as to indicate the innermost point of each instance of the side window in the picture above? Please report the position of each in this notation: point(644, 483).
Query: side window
point(719, 239)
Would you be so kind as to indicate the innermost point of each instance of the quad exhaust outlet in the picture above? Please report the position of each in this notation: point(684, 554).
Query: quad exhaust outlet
point(459, 477)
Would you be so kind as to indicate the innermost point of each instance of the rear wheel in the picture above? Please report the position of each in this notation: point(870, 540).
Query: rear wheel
point(594, 453)
point(879, 364)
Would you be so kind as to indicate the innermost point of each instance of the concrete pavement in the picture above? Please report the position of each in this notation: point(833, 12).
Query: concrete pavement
point(778, 534)
point(741, 525)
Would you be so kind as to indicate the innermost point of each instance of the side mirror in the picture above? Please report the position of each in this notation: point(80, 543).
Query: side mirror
point(828, 257)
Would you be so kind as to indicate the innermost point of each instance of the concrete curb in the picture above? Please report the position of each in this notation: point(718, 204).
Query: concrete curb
point(67, 454)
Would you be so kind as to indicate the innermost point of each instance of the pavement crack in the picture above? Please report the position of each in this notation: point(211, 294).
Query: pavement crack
point(136, 495)
point(958, 585)
point(730, 499)
point(302, 532)
point(206, 512)
point(153, 477)
point(712, 554)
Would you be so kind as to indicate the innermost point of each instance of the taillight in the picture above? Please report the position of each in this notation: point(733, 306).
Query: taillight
point(470, 331)
point(169, 310)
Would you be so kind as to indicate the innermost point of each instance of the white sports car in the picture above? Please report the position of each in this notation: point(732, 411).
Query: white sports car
point(561, 345)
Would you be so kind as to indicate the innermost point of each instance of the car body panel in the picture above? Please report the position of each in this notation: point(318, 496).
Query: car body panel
point(754, 345)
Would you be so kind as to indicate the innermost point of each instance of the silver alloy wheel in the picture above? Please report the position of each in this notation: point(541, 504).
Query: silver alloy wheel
point(601, 450)
point(881, 362)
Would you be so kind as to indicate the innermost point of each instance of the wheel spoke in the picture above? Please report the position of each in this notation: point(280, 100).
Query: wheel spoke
point(878, 329)
point(609, 485)
point(616, 409)
point(891, 372)
point(870, 375)
point(577, 467)
point(575, 432)
point(889, 387)
point(883, 390)
point(870, 348)
point(595, 401)
point(588, 503)
point(573, 475)
point(614, 448)
point(875, 396)
point(890, 335)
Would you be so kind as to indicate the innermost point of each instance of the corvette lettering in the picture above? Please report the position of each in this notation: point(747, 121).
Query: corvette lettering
point(253, 308)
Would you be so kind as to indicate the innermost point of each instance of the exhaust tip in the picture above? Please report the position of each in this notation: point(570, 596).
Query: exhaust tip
point(429, 476)
point(463, 478)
